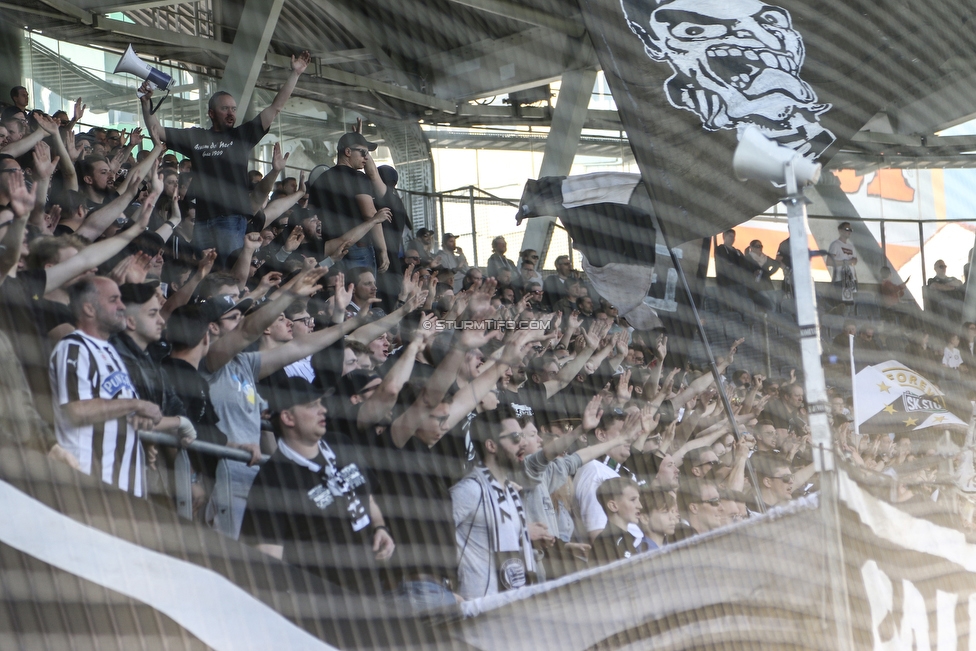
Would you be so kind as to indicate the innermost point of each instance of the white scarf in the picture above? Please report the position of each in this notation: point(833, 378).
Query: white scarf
point(508, 532)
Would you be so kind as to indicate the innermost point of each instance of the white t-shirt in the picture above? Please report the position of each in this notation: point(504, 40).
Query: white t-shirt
point(839, 252)
point(588, 479)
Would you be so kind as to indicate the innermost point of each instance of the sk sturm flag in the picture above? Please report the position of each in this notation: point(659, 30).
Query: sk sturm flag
point(688, 76)
point(890, 398)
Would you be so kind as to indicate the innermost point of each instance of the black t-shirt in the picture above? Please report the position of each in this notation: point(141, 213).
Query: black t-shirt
point(194, 393)
point(334, 196)
point(219, 166)
point(22, 319)
point(321, 521)
point(393, 230)
point(414, 493)
point(613, 544)
point(110, 196)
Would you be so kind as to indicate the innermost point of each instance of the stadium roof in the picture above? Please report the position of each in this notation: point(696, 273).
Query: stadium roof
point(408, 59)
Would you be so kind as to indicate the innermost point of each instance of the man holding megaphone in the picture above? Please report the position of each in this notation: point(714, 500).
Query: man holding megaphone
point(219, 157)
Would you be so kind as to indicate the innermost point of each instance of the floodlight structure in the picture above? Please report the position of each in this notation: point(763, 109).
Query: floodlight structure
point(759, 159)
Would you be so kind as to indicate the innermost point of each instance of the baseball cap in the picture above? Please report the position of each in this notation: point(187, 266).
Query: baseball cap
point(290, 392)
point(355, 140)
point(138, 293)
point(355, 381)
point(217, 306)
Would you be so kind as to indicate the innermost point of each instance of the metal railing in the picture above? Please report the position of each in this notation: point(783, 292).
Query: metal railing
point(183, 471)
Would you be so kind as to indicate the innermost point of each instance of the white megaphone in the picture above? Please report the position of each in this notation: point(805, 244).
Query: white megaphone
point(758, 158)
point(131, 63)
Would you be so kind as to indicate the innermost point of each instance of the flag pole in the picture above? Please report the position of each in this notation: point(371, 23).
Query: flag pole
point(727, 406)
point(857, 427)
point(804, 294)
point(815, 386)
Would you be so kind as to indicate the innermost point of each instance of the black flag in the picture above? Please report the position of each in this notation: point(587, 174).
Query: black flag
point(688, 75)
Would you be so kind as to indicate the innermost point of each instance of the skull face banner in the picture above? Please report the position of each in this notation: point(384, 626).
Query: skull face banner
point(735, 63)
point(809, 74)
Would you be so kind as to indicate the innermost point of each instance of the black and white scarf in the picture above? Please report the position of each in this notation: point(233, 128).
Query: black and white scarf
point(508, 533)
point(335, 483)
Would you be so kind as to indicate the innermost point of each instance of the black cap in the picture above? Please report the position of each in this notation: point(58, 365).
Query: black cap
point(355, 381)
point(138, 293)
point(353, 140)
point(290, 392)
point(187, 326)
point(217, 306)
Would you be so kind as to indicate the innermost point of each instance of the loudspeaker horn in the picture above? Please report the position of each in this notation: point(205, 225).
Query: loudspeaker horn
point(131, 63)
point(759, 158)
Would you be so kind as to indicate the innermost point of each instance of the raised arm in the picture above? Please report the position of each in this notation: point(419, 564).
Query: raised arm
point(297, 349)
point(21, 203)
point(242, 268)
point(378, 406)
point(25, 144)
point(44, 168)
point(409, 423)
point(357, 232)
point(466, 400)
point(156, 131)
point(142, 168)
point(705, 380)
point(93, 255)
point(298, 65)
point(281, 205)
point(253, 325)
point(69, 176)
point(259, 195)
point(371, 331)
point(185, 293)
point(572, 369)
point(372, 173)
point(96, 222)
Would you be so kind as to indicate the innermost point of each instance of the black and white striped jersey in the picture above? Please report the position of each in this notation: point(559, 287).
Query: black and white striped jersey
point(85, 368)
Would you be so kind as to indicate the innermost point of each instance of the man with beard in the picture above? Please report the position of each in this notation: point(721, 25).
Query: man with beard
point(95, 176)
point(495, 553)
point(219, 156)
point(364, 294)
point(97, 410)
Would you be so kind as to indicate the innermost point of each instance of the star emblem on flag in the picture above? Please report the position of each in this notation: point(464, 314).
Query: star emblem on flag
point(911, 422)
point(889, 409)
point(883, 387)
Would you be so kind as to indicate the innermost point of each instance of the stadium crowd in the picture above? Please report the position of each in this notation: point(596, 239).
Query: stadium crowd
point(436, 431)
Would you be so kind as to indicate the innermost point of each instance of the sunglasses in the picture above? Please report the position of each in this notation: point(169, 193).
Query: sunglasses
point(515, 436)
point(362, 152)
point(786, 479)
